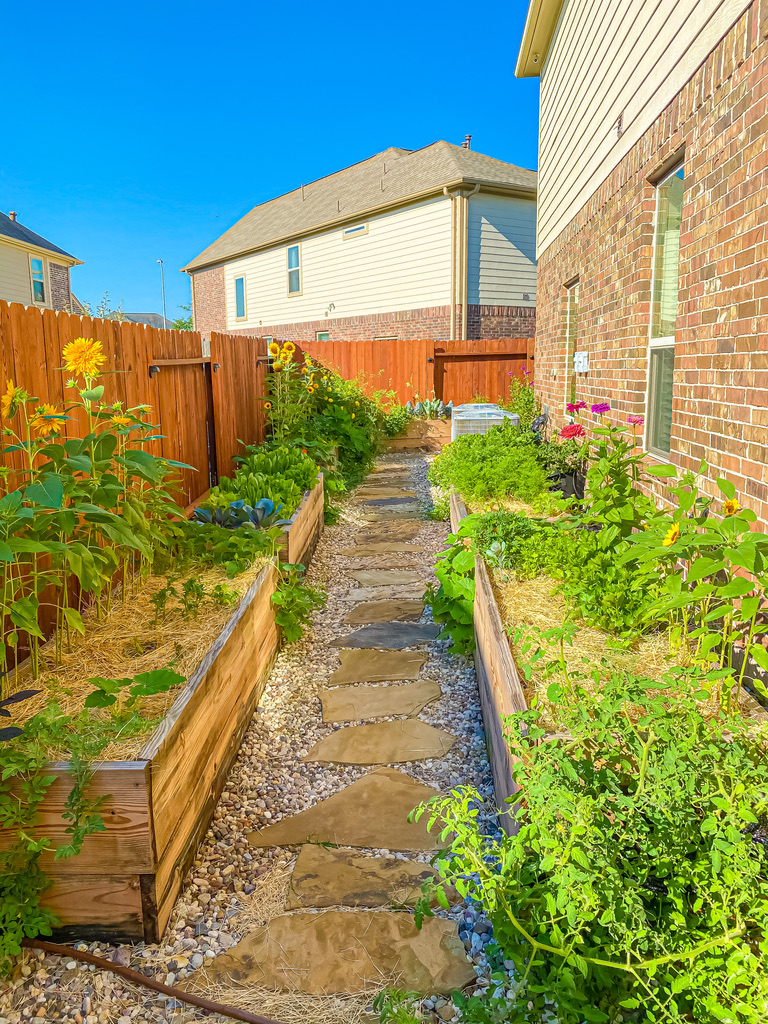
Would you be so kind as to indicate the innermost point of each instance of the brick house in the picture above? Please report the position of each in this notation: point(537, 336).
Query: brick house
point(652, 232)
point(33, 270)
point(437, 242)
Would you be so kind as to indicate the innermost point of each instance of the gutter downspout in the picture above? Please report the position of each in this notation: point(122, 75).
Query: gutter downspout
point(465, 258)
point(452, 196)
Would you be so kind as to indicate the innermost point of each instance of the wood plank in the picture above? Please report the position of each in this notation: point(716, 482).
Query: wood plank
point(97, 907)
point(125, 846)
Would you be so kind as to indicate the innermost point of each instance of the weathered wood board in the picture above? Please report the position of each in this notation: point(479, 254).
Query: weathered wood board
point(305, 528)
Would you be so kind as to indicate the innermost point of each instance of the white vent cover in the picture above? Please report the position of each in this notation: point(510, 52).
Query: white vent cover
point(479, 420)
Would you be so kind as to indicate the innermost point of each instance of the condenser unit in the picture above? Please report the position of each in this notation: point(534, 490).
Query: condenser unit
point(479, 419)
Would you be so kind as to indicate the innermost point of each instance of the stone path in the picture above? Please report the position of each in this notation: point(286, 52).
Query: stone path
point(319, 855)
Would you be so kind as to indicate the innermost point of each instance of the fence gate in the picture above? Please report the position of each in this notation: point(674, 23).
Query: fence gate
point(465, 370)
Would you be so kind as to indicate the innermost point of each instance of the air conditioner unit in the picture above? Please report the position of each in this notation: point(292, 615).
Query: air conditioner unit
point(479, 420)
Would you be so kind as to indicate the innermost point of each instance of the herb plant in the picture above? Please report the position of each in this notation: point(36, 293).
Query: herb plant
point(452, 602)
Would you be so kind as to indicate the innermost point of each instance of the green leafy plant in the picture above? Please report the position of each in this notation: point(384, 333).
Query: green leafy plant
point(295, 601)
point(396, 421)
point(634, 887)
point(452, 602)
point(522, 399)
point(192, 594)
point(224, 596)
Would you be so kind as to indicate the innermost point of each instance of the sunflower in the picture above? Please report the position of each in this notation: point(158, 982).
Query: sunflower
point(353, 415)
point(42, 426)
point(357, 403)
point(119, 420)
point(277, 367)
point(731, 507)
point(83, 356)
point(267, 405)
point(289, 347)
point(10, 401)
point(671, 536)
point(274, 348)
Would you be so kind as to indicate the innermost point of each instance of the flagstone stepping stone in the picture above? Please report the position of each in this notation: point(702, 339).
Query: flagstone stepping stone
point(390, 593)
point(346, 878)
point(384, 577)
point(391, 516)
point(371, 813)
point(361, 666)
point(380, 548)
point(396, 501)
point(389, 532)
point(344, 951)
point(357, 703)
point(386, 491)
point(390, 635)
point(386, 611)
point(407, 739)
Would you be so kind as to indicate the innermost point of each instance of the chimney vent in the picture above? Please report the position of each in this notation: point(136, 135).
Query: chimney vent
point(12, 214)
point(466, 144)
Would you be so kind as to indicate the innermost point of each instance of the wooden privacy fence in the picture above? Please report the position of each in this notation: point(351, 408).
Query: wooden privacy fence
point(456, 371)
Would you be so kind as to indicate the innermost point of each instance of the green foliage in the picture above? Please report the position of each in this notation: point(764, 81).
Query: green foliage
point(294, 601)
point(441, 508)
point(514, 541)
point(522, 400)
point(453, 601)
point(634, 888)
point(280, 474)
point(183, 323)
point(224, 596)
point(396, 421)
point(396, 1007)
point(500, 463)
point(235, 550)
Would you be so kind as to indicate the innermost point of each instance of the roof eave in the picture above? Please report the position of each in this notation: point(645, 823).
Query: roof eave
point(64, 257)
point(540, 24)
point(518, 191)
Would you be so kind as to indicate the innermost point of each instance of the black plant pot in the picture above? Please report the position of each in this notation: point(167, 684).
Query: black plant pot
point(570, 484)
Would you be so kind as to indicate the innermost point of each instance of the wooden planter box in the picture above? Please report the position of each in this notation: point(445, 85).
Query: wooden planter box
point(422, 436)
point(501, 692)
point(300, 537)
point(125, 882)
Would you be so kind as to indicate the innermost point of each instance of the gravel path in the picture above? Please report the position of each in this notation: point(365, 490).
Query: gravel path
point(228, 889)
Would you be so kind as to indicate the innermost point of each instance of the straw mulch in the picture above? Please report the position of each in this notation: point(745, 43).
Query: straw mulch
point(535, 603)
point(127, 642)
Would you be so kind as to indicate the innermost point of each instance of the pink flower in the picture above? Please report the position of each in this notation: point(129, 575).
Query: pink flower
point(600, 408)
point(574, 407)
point(572, 430)
point(636, 421)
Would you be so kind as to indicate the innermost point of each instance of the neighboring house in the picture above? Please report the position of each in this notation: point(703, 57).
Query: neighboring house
point(432, 243)
point(153, 319)
point(33, 270)
point(653, 222)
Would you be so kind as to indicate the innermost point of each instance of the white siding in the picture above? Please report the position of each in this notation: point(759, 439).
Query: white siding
point(14, 274)
point(403, 262)
point(502, 251)
point(611, 58)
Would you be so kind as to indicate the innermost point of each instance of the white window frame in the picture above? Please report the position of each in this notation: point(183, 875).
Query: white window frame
point(289, 270)
point(241, 277)
point(570, 288)
point(46, 282)
point(667, 341)
point(355, 231)
point(326, 338)
point(389, 337)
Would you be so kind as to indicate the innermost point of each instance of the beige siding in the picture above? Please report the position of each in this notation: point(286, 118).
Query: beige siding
point(501, 251)
point(403, 262)
point(14, 274)
point(611, 59)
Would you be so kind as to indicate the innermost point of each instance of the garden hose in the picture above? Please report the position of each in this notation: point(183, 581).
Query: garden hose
point(139, 979)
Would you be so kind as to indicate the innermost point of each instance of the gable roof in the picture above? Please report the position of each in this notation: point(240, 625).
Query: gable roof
point(12, 229)
point(152, 319)
point(386, 179)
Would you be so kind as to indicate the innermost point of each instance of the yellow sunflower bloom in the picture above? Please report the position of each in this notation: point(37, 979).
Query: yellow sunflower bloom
point(9, 403)
point(267, 405)
point(44, 427)
point(120, 421)
point(289, 347)
point(277, 367)
point(274, 348)
point(731, 507)
point(671, 536)
point(83, 356)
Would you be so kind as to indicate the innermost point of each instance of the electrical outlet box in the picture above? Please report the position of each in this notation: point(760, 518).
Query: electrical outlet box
point(581, 362)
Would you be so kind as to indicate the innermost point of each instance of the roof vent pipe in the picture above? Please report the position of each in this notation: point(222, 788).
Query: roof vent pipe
point(466, 144)
point(12, 214)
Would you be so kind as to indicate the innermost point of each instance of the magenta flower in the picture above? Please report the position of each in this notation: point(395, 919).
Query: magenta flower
point(581, 405)
point(600, 408)
point(636, 421)
point(572, 430)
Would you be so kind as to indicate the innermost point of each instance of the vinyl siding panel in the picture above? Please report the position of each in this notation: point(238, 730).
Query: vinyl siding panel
point(610, 59)
point(403, 262)
point(501, 251)
point(14, 274)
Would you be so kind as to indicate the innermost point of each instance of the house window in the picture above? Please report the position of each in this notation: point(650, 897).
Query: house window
point(358, 229)
point(664, 297)
point(392, 338)
point(38, 280)
point(294, 270)
point(322, 336)
point(240, 298)
point(571, 338)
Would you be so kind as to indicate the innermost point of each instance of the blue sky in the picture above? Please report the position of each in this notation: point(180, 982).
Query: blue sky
point(143, 131)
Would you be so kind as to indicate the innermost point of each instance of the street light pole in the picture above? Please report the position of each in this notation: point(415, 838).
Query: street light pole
point(162, 284)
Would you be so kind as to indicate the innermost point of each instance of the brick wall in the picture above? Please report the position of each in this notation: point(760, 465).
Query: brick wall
point(720, 403)
point(209, 301)
point(430, 322)
point(60, 292)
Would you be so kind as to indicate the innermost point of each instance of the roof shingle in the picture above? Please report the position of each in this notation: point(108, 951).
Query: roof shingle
point(12, 229)
point(386, 178)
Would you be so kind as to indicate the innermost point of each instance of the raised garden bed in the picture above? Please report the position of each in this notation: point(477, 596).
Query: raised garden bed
point(124, 883)
point(422, 436)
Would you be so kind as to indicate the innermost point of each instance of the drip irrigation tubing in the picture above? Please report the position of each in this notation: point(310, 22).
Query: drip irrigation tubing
point(140, 979)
